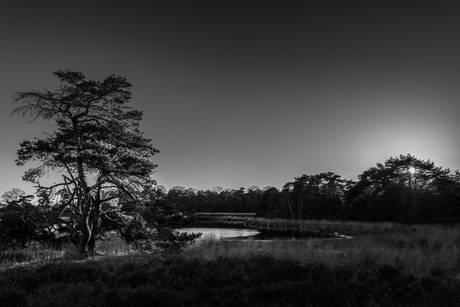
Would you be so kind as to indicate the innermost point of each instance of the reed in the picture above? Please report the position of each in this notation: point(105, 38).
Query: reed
point(418, 248)
point(113, 245)
point(352, 228)
point(31, 256)
point(110, 246)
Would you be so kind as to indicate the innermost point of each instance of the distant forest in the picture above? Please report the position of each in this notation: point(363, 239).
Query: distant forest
point(403, 189)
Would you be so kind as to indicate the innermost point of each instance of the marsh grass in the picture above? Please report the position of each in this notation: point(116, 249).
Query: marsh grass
point(382, 265)
point(31, 256)
point(418, 248)
point(37, 254)
point(112, 245)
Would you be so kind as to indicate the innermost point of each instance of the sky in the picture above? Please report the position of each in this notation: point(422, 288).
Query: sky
point(248, 93)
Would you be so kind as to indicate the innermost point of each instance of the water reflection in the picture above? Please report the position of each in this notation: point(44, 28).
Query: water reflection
point(262, 234)
point(220, 233)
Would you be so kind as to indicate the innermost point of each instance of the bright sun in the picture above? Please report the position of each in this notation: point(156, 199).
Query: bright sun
point(412, 170)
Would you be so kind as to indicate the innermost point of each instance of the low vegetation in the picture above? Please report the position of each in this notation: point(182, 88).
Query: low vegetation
point(383, 264)
point(256, 280)
point(416, 248)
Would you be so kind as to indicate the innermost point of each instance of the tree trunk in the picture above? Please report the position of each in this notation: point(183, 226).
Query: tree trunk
point(85, 228)
point(85, 235)
point(290, 208)
point(87, 246)
point(92, 245)
point(89, 225)
point(300, 209)
point(95, 224)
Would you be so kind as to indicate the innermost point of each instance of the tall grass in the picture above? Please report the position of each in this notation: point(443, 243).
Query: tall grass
point(418, 248)
point(113, 245)
point(351, 228)
point(36, 254)
point(382, 265)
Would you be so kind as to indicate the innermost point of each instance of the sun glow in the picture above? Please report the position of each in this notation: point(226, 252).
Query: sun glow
point(412, 170)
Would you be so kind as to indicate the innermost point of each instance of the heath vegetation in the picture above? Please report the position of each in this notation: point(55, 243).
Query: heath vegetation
point(383, 264)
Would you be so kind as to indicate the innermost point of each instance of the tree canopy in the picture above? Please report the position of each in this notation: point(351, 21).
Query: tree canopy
point(319, 194)
point(404, 188)
point(13, 195)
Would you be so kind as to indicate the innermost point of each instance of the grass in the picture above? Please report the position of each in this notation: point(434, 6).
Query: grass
point(399, 250)
point(37, 254)
point(257, 280)
point(32, 255)
point(418, 248)
point(384, 264)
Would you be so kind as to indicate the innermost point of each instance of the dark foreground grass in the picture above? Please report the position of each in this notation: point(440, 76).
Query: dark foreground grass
point(260, 280)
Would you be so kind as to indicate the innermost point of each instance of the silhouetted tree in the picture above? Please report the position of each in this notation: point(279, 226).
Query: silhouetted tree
point(272, 204)
point(403, 188)
point(19, 222)
point(314, 195)
point(13, 195)
point(328, 194)
point(97, 145)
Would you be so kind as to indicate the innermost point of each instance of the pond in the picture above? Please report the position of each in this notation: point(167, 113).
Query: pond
point(261, 234)
point(220, 233)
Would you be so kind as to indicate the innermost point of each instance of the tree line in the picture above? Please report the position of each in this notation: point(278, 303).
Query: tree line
point(402, 189)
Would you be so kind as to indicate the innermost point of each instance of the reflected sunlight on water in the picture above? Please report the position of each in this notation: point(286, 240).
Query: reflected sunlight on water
point(220, 233)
